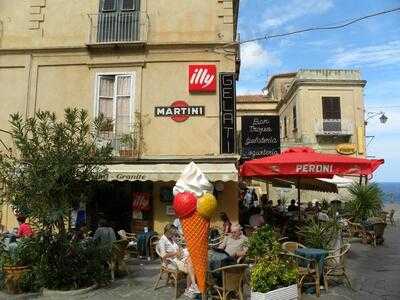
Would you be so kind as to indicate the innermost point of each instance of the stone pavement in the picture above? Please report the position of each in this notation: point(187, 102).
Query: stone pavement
point(374, 273)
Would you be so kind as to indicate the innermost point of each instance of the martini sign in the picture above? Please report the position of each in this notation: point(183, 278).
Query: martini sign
point(179, 111)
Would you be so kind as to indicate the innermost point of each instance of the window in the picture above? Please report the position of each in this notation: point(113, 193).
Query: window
point(109, 5)
point(119, 21)
point(294, 118)
point(331, 113)
point(127, 5)
point(115, 101)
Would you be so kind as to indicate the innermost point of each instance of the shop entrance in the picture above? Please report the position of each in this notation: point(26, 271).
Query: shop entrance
point(125, 205)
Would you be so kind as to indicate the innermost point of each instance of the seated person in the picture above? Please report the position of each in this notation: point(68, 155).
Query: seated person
point(292, 206)
point(317, 207)
point(309, 208)
point(321, 216)
point(234, 244)
point(169, 249)
point(217, 258)
point(256, 220)
point(279, 208)
point(24, 229)
point(226, 223)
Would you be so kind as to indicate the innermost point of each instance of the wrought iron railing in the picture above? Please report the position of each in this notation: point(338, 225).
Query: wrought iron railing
point(334, 127)
point(115, 28)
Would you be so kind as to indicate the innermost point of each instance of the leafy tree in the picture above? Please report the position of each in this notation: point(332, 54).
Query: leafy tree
point(52, 166)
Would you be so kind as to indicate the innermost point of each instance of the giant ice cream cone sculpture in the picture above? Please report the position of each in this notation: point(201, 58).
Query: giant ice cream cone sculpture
point(194, 205)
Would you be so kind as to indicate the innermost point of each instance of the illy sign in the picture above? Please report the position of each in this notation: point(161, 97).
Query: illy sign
point(202, 78)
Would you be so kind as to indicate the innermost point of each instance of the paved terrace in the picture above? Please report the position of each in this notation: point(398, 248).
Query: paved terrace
point(374, 272)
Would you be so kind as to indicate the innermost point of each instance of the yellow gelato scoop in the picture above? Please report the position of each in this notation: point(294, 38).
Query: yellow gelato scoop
point(206, 205)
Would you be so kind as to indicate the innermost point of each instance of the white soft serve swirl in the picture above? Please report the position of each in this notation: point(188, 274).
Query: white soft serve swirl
point(193, 180)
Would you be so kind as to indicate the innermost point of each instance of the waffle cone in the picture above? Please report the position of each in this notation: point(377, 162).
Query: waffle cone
point(195, 229)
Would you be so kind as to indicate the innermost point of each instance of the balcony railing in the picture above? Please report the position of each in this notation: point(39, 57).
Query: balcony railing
point(121, 148)
point(129, 28)
point(334, 127)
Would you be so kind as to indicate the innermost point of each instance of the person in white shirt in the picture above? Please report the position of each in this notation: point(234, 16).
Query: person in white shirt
point(170, 251)
point(234, 244)
point(256, 220)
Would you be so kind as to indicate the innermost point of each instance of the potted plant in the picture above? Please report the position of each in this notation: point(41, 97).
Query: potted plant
point(320, 235)
point(126, 141)
point(272, 277)
point(15, 261)
point(365, 201)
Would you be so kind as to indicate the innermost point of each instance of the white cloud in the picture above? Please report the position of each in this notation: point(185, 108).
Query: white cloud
point(255, 57)
point(376, 55)
point(281, 14)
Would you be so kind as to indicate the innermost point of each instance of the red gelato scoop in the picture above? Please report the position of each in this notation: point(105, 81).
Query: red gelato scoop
point(184, 204)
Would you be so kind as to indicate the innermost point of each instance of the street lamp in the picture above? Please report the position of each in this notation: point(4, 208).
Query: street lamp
point(383, 118)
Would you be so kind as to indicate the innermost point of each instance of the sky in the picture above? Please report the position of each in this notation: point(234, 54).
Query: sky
point(372, 46)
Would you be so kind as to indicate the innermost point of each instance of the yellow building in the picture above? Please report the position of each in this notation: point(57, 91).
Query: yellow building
point(146, 65)
point(322, 109)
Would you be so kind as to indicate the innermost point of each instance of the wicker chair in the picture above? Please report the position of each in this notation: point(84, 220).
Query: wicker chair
point(375, 236)
point(132, 242)
point(334, 265)
point(308, 268)
point(291, 247)
point(152, 245)
point(118, 253)
point(172, 272)
point(233, 278)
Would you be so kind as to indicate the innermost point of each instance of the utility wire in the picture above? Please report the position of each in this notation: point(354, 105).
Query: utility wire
point(317, 28)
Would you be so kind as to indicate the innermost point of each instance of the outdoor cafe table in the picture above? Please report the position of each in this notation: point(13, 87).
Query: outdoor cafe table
point(316, 254)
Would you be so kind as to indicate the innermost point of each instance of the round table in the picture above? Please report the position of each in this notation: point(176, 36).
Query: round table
point(316, 254)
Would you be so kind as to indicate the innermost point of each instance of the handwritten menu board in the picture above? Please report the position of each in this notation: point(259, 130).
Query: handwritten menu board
point(260, 136)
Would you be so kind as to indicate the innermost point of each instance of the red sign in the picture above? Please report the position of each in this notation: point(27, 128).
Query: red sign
point(179, 111)
point(202, 78)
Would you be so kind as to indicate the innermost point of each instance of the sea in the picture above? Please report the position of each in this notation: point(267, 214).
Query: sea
point(391, 191)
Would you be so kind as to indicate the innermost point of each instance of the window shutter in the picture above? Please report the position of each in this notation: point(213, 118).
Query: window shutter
point(106, 97)
point(109, 5)
point(123, 106)
point(128, 5)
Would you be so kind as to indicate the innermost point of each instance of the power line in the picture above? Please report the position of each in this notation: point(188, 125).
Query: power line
point(316, 28)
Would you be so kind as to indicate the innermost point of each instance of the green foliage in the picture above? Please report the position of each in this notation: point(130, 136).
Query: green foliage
point(63, 264)
point(45, 177)
point(271, 274)
point(365, 201)
point(53, 161)
point(17, 254)
point(271, 271)
point(321, 235)
point(263, 242)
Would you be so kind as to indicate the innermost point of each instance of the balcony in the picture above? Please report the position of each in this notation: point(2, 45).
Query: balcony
point(124, 145)
point(124, 29)
point(334, 127)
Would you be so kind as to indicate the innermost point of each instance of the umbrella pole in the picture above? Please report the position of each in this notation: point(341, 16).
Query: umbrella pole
point(298, 197)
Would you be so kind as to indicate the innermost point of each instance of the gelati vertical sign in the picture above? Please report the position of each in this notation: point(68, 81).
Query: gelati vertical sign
point(227, 96)
point(260, 136)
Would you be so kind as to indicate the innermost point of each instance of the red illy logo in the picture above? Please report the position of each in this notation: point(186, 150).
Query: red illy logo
point(202, 78)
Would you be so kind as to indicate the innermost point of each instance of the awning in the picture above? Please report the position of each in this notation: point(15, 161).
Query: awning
point(310, 184)
point(341, 182)
point(169, 172)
